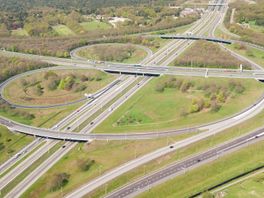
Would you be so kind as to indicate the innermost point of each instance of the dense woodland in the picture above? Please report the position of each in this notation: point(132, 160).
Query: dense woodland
point(86, 6)
point(61, 46)
point(38, 19)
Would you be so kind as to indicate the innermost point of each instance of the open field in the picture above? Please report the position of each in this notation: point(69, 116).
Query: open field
point(10, 143)
point(151, 109)
point(45, 118)
point(63, 30)
point(206, 54)
point(57, 87)
point(124, 53)
point(203, 145)
point(252, 187)
point(86, 162)
point(95, 25)
point(211, 174)
point(251, 53)
point(19, 32)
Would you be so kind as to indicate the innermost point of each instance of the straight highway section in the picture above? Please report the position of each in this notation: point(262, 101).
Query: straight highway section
point(12, 174)
point(181, 167)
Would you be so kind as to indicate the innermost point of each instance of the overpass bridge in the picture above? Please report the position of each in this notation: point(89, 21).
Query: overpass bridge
point(194, 37)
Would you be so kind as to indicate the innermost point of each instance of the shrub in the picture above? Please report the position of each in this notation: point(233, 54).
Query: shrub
point(2, 146)
point(53, 84)
point(183, 113)
point(160, 87)
point(23, 82)
point(38, 90)
point(221, 97)
point(98, 78)
point(86, 165)
point(239, 89)
point(50, 74)
point(60, 180)
point(83, 78)
point(215, 107)
point(78, 87)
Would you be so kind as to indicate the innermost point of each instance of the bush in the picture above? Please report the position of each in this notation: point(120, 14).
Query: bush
point(98, 78)
point(53, 84)
point(50, 74)
point(86, 165)
point(185, 86)
point(215, 107)
point(23, 82)
point(2, 146)
point(160, 87)
point(183, 113)
point(83, 78)
point(60, 180)
point(38, 90)
point(239, 89)
point(78, 87)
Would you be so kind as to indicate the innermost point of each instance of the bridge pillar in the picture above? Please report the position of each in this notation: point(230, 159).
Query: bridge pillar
point(241, 67)
point(206, 73)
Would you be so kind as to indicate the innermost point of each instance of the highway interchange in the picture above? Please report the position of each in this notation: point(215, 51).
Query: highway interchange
point(124, 88)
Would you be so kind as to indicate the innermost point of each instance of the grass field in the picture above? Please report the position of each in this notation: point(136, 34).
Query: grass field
point(10, 143)
point(19, 32)
point(150, 110)
point(197, 56)
point(95, 25)
point(99, 152)
point(228, 134)
point(29, 94)
point(211, 174)
point(44, 118)
point(63, 30)
point(114, 52)
point(251, 53)
point(252, 187)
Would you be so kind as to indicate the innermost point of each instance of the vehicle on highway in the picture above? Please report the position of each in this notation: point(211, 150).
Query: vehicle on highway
point(137, 65)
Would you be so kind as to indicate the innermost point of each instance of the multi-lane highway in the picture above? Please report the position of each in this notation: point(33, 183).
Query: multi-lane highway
point(184, 165)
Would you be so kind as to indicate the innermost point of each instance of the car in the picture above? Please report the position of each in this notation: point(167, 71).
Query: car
point(171, 146)
point(91, 123)
point(63, 146)
point(68, 128)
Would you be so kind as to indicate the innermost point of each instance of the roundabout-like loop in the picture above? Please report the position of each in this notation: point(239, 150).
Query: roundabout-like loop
point(58, 68)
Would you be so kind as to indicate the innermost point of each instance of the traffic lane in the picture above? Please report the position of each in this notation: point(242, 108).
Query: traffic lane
point(180, 167)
